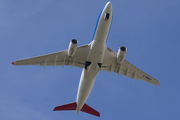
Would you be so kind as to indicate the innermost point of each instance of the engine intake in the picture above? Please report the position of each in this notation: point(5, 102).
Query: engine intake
point(72, 47)
point(121, 54)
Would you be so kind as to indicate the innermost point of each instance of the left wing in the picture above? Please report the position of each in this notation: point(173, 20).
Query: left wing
point(58, 58)
point(126, 68)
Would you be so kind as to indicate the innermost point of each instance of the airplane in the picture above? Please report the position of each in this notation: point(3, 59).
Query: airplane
point(92, 58)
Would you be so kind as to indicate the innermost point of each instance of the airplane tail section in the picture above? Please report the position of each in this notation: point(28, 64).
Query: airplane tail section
point(90, 110)
point(72, 106)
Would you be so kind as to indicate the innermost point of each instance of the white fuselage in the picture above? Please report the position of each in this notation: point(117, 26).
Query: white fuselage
point(95, 55)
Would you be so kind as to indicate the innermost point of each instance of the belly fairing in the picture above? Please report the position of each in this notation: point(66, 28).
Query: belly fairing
point(96, 52)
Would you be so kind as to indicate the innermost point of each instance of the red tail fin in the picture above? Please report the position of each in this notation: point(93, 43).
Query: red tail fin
point(72, 106)
point(90, 110)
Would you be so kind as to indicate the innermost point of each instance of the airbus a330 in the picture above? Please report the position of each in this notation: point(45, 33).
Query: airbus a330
point(92, 58)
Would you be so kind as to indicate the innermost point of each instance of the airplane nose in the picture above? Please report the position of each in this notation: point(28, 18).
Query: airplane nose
point(109, 3)
point(108, 6)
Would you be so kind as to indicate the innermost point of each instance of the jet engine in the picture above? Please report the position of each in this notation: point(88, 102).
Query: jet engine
point(72, 47)
point(121, 54)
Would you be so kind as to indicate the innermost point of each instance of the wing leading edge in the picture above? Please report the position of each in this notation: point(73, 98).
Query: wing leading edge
point(58, 58)
point(126, 68)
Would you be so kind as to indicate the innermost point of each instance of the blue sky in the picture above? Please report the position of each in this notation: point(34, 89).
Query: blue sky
point(150, 29)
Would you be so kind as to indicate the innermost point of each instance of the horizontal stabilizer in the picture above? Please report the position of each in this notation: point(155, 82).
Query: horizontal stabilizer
point(72, 106)
point(90, 110)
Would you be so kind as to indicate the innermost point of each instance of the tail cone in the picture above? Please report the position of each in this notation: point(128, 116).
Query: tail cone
point(77, 111)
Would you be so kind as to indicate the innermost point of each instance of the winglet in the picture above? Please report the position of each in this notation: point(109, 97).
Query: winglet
point(159, 84)
point(13, 63)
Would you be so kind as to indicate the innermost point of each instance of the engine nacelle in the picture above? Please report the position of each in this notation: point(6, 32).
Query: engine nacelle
point(72, 47)
point(121, 54)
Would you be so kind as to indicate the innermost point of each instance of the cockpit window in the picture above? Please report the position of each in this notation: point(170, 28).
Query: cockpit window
point(106, 17)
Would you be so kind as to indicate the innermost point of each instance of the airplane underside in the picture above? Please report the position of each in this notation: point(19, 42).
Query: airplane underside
point(92, 58)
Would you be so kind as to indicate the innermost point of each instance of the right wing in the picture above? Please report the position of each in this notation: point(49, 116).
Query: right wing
point(58, 58)
point(126, 68)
